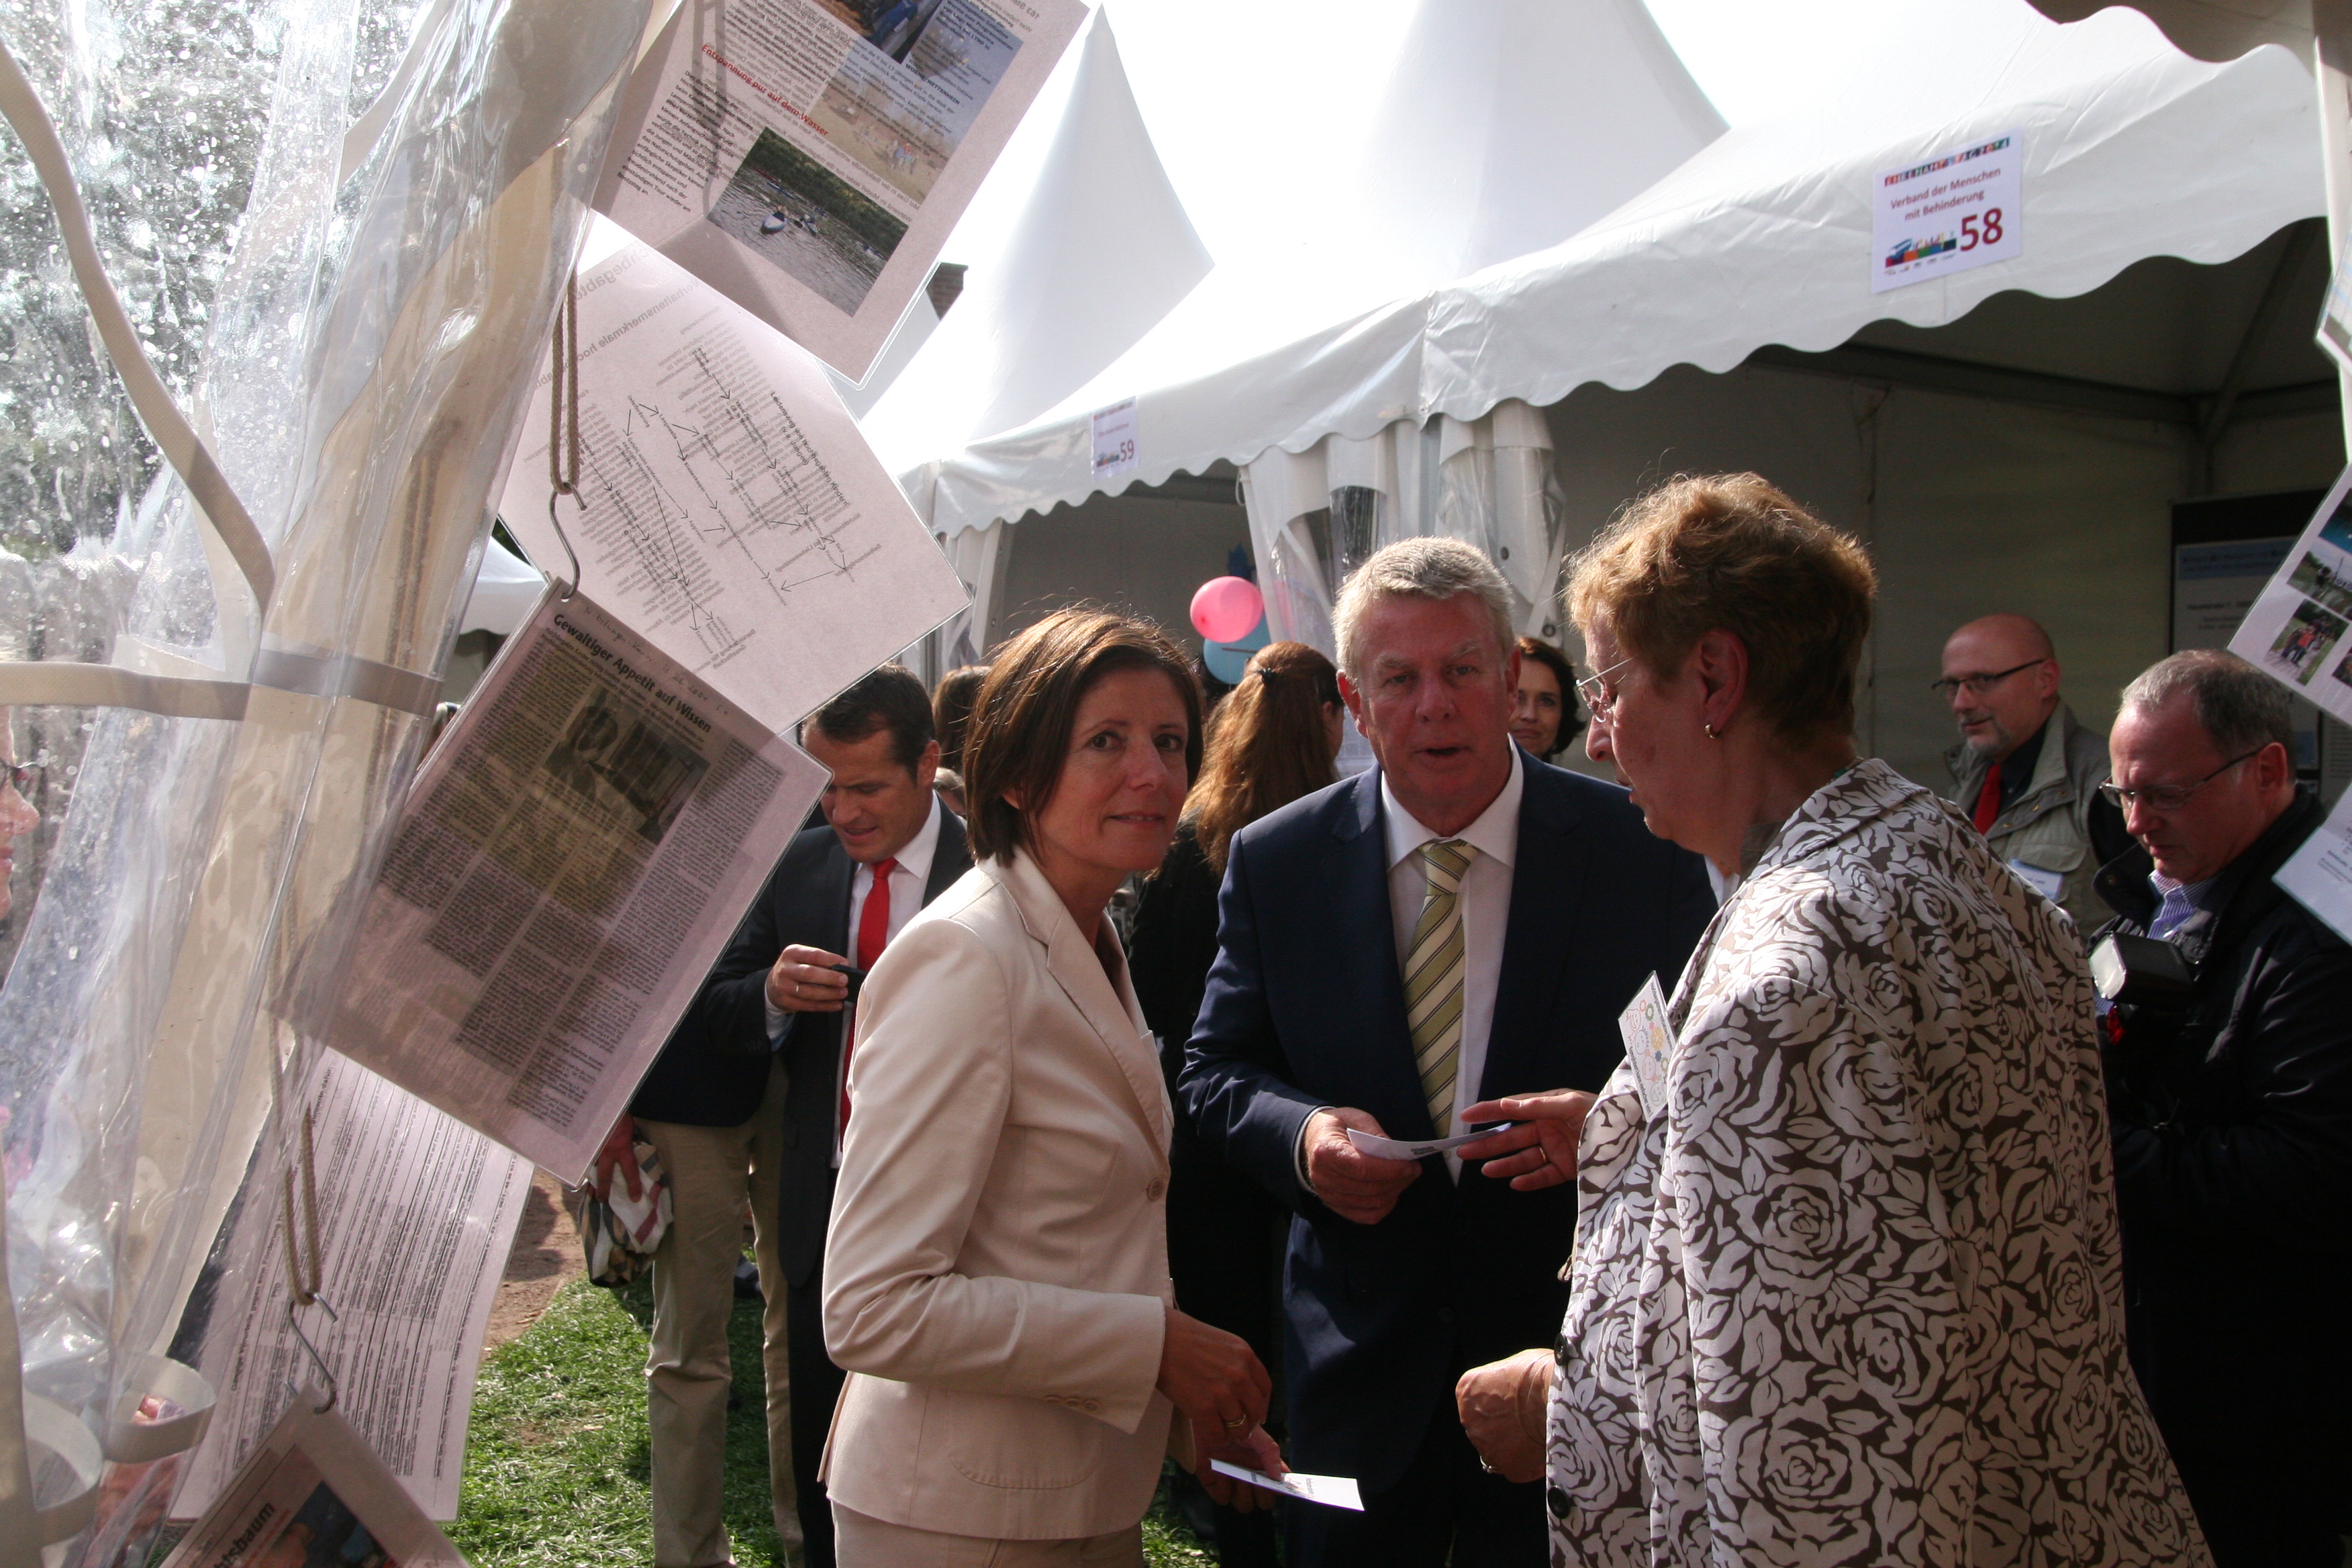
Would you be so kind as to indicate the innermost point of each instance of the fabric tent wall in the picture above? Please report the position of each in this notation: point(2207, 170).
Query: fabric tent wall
point(1967, 506)
point(1139, 554)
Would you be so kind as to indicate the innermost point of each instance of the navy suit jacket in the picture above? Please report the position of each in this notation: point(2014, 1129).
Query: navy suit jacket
point(715, 1067)
point(1306, 1008)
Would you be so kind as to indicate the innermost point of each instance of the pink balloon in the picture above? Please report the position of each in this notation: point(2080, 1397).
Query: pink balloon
point(1225, 609)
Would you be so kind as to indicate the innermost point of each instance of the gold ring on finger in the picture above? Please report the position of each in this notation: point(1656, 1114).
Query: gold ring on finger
point(1239, 1424)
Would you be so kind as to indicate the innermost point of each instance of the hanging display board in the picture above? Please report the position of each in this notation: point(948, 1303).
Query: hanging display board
point(808, 158)
point(313, 1493)
point(730, 511)
point(416, 1215)
point(2225, 550)
point(2296, 630)
point(571, 860)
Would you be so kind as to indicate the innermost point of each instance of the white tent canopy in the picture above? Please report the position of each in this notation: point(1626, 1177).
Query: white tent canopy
point(1764, 236)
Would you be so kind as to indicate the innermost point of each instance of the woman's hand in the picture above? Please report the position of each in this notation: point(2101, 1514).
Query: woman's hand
point(1541, 1152)
point(1255, 1450)
point(1503, 1404)
point(1215, 1378)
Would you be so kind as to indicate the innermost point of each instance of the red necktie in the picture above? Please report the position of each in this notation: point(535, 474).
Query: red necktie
point(1988, 800)
point(873, 936)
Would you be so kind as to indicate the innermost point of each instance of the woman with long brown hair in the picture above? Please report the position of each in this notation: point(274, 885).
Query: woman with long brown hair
point(1270, 742)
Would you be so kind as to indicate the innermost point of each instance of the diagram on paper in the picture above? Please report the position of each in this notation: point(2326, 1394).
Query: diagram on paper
point(728, 509)
point(703, 490)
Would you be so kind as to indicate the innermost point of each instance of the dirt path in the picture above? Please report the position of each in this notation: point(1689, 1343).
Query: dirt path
point(546, 1255)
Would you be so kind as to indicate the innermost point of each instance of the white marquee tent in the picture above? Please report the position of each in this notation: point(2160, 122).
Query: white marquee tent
point(1757, 240)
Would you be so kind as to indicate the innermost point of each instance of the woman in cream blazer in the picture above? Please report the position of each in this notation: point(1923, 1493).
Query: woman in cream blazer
point(996, 1271)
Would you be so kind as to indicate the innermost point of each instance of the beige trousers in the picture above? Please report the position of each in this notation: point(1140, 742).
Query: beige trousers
point(860, 1541)
point(714, 1172)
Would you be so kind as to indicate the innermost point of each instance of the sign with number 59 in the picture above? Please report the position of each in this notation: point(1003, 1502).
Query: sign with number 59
point(1957, 210)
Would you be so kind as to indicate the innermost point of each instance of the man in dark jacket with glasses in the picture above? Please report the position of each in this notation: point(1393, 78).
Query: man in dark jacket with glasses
point(2230, 1087)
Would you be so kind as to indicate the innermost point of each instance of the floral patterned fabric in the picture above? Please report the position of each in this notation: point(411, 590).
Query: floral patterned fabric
point(1855, 1295)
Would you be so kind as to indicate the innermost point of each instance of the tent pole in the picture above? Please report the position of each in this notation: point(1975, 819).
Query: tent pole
point(2331, 26)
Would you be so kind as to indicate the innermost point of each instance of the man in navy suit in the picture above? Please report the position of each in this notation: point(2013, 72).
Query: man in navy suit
point(1464, 922)
point(765, 1032)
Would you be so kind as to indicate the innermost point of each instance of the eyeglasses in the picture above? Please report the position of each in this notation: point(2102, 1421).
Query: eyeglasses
point(1598, 694)
point(2172, 797)
point(1979, 685)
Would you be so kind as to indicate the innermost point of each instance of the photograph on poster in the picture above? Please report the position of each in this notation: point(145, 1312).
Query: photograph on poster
point(898, 25)
point(2337, 529)
point(2298, 621)
point(793, 213)
point(325, 1533)
point(2318, 580)
point(631, 772)
point(902, 121)
point(2301, 648)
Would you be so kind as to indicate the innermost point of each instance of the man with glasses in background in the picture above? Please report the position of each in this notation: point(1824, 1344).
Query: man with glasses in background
point(2024, 770)
point(2230, 1096)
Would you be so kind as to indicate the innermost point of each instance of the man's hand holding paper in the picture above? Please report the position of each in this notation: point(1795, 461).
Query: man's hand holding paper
point(1353, 1185)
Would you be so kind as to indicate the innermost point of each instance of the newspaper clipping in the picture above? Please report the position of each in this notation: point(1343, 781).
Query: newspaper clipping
point(571, 858)
point(312, 1496)
point(733, 514)
point(807, 158)
point(416, 1215)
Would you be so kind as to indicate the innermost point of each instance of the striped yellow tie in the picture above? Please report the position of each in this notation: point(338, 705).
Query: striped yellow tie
point(1432, 977)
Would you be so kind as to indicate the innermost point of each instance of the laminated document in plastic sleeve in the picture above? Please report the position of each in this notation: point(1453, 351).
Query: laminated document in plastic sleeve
point(811, 170)
point(571, 861)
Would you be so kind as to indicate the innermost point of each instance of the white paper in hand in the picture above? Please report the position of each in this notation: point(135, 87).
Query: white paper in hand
point(1649, 1044)
point(1332, 1491)
point(1381, 1148)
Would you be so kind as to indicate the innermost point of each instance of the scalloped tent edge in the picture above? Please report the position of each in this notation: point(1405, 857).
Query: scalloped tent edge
point(1659, 283)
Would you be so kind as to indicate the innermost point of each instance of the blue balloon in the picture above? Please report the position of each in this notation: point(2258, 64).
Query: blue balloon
point(1228, 660)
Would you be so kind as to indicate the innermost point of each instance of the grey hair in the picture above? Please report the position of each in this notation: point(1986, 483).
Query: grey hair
point(1425, 569)
point(2240, 709)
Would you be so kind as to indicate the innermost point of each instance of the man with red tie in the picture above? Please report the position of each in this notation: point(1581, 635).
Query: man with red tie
point(780, 994)
point(2026, 773)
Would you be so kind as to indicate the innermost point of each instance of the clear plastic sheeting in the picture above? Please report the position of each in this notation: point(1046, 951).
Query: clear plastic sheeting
point(1315, 516)
point(365, 349)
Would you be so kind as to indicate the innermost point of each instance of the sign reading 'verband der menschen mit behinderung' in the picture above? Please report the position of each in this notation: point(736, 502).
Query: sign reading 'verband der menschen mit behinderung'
point(1948, 213)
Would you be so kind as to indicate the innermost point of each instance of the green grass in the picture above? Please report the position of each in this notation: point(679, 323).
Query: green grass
point(557, 1463)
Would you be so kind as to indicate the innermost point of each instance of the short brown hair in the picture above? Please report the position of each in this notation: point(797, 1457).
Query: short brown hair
point(1733, 552)
point(887, 696)
point(1020, 730)
point(1268, 745)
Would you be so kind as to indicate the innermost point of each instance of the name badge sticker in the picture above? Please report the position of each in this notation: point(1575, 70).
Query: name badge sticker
point(1649, 1044)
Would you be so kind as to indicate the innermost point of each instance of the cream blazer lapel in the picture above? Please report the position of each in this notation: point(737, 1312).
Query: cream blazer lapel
point(1108, 1009)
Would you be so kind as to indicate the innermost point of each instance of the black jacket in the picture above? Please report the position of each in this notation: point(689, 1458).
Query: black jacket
point(715, 1067)
point(2232, 1127)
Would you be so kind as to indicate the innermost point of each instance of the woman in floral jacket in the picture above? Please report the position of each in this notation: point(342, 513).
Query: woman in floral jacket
point(1848, 1291)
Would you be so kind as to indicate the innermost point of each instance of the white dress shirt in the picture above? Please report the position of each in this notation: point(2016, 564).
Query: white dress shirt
point(1486, 906)
point(907, 880)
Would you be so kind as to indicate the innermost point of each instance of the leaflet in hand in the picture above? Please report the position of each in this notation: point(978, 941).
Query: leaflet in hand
point(1332, 1491)
point(1381, 1148)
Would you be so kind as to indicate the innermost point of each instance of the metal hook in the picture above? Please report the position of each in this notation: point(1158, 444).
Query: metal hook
point(333, 1392)
point(564, 421)
point(565, 540)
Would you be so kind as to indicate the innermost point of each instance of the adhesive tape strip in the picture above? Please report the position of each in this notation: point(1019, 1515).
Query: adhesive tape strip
point(49, 1425)
point(131, 1441)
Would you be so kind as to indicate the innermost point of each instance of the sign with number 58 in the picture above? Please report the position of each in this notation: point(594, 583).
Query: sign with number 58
point(1957, 210)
